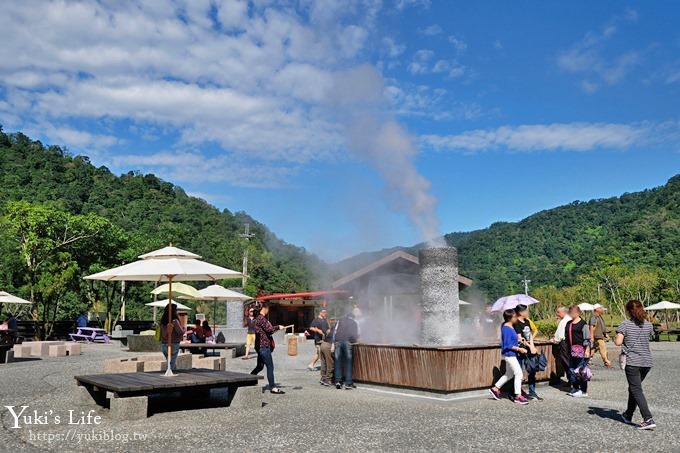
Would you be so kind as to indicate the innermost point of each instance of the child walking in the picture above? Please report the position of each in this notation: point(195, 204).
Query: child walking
point(510, 349)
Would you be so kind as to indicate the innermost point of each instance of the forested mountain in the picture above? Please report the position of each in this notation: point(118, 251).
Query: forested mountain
point(45, 188)
point(585, 246)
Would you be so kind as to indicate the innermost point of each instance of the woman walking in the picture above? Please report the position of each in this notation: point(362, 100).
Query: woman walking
point(264, 345)
point(577, 338)
point(510, 349)
point(633, 336)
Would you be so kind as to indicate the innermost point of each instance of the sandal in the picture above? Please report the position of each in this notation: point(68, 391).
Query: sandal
point(277, 391)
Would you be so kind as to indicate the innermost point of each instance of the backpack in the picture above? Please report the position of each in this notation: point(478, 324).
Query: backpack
point(220, 338)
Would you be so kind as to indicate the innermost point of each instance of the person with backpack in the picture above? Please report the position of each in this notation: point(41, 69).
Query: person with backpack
point(577, 338)
point(510, 349)
point(633, 336)
point(526, 332)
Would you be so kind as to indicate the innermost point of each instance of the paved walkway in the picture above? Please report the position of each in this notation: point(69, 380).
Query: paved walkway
point(312, 417)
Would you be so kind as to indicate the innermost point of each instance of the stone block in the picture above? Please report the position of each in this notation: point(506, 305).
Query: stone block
point(130, 408)
point(57, 350)
point(184, 361)
point(120, 337)
point(21, 350)
point(42, 348)
point(194, 360)
point(72, 348)
point(143, 343)
point(123, 365)
point(246, 397)
point(211, 363)
point(154, 365)
point(9, 356)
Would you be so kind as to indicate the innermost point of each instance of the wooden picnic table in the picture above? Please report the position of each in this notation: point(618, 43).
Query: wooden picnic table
point(205, 346)
point(130, 385)
point(90, 335)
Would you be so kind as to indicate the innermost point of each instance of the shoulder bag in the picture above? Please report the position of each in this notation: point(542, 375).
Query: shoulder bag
point(577, 350)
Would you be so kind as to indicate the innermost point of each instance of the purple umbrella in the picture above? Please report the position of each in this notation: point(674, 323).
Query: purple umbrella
point(508, 302)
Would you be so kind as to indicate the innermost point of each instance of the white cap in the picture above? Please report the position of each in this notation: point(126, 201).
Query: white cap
point(596, 306)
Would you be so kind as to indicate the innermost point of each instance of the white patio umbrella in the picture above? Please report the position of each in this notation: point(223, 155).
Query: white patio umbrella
point(7, 298)
point(216, 293)
point(167, 264)
point(178, 289)
point(662, 306)
point(508, 302)
point(164, 302)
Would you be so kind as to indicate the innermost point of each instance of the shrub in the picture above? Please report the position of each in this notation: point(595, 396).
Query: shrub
point(546, 327)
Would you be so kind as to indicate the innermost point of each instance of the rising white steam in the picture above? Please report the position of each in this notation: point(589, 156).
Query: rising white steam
point(375, 137)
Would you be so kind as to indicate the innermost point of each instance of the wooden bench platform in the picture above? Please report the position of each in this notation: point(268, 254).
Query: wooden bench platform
point(130, 391)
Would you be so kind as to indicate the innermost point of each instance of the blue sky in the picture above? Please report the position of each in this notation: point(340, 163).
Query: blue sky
point(355, 125)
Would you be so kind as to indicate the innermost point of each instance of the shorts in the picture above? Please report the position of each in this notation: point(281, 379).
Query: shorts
point(250, 339)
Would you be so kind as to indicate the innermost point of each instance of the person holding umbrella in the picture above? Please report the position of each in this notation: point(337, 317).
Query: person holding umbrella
point(264, 345)
point(176, 334)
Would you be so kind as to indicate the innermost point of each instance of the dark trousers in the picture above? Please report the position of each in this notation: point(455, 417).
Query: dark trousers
point(531, 377)
point(577, 383)
point(343, 359)
point(264, 358)
point(635, 375)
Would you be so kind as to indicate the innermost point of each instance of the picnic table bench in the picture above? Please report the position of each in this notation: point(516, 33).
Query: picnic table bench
point(200, 347)
point(131, 391)
point(90, 335)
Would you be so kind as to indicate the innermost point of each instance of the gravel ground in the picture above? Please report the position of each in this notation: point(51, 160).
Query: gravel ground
point(310, 416)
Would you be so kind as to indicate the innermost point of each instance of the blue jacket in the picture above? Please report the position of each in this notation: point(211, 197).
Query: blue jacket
point(509, 340)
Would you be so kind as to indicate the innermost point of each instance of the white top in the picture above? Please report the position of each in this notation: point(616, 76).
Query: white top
point(559, 333)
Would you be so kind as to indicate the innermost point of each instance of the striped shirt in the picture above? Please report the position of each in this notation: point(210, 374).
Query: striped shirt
point(636, 343)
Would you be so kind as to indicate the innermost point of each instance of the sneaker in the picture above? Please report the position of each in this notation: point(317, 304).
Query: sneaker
point(579, 394)
point(520, 400)
point(350, 386)
point(649, 424)
point(495, 393)
point(627, 419)
point(534, 396)
point(524, 394)
point(572, 392)
point(338, 386)
point(324, 383)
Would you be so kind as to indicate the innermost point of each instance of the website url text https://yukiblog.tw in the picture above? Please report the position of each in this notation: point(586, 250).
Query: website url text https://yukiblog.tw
point(85, 436)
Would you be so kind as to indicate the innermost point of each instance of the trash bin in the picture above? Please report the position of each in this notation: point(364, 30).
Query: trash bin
point(292, 344)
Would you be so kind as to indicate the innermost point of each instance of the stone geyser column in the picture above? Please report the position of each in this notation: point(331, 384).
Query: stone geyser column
point(439, 292)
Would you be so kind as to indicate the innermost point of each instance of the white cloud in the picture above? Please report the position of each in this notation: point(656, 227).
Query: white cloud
point(403, 4)
point(192, 166)
point(250, 77)
point(432, 30)
point(392, 49)
point(458, 44)
point(589, 56)
point(420, 62)
point(552, 137)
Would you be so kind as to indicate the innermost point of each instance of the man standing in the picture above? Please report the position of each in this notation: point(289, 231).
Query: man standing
point(598, 332)
point(345, 333)
point(526, 335)
point(559, 346)
point(319, 329)
point(327, 359)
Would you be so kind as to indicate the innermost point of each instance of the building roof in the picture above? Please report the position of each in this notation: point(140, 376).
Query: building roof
point(398, 262)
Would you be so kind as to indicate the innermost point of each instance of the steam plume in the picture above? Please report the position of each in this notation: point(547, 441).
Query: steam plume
point(374, 136)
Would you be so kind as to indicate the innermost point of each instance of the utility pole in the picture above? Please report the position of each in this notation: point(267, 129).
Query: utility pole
point(526, 285)
point(245, 235)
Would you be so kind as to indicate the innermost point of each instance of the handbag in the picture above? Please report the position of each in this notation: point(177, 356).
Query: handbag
point(577, 350)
